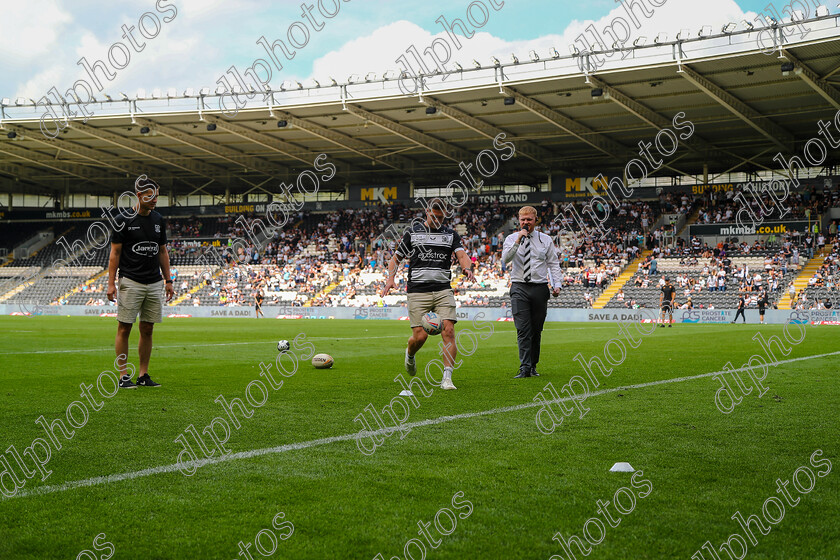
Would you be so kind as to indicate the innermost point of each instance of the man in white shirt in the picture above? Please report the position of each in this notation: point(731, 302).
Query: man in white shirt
point(534, 263)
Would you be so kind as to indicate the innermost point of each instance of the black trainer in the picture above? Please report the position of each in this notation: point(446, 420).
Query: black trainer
point(522, 373)
point(534, 373)
point(146, 381)
point(127, 383)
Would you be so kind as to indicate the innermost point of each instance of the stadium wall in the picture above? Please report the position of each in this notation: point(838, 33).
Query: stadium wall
point(773, 316)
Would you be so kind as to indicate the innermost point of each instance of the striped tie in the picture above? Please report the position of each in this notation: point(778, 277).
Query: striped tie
point(526, 270)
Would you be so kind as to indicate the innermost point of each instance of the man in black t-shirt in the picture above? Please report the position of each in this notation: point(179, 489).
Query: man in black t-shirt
point(258, 299)
point(666, 303)
point(138, 252)
point(762, 304)
point(430, 246)
point(742, 304)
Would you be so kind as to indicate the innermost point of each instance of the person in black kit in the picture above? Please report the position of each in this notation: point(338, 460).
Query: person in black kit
point(258, 299)
point(138, 251)
point(741, 305)
point(762, 302)
point(666, 303)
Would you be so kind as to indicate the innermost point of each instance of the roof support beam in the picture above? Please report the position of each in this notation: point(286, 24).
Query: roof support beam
point(524, 147)
point(579, 131)
point(263, 139)
point(756, 120)
point(67, 168)
point(654, 119)
point(162, 155)
point(251, 163)
point(826, 90)
point(445, 149)
point(98, 157)
point(355, 145)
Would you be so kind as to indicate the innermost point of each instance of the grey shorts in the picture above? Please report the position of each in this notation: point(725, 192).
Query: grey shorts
point(420, 303)
point(134, 298)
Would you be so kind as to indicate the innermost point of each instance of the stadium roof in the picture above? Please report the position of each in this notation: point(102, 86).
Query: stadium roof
point(744, 107)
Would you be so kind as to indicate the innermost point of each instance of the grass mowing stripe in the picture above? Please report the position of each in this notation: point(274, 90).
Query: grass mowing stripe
point(346, 437)
point(111, 348)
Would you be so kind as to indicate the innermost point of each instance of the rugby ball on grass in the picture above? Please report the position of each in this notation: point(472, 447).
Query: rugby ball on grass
point(322, 361)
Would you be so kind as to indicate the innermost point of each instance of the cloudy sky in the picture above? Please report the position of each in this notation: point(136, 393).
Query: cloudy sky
point(42, 40)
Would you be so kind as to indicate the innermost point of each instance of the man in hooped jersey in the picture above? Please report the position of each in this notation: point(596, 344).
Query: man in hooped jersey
point(430, 247)
point(138, 252)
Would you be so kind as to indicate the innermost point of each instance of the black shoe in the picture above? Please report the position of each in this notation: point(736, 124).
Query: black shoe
point(146, 381)
point(534, 373)
point(662, 326)
point(670, 325)
point(127, 383)
point(522, 374)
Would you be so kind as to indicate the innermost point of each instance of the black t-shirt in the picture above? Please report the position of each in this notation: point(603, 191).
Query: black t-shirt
point(431, 251)
point(668, 292)
point(142, 238)
point(741, 303)
point(259, 299)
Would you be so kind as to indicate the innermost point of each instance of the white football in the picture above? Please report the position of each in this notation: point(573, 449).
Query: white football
point(283, 346)
point(432, 323)
point(322, 361)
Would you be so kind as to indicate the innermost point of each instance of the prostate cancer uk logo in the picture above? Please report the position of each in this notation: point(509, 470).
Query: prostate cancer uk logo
point(146, 248)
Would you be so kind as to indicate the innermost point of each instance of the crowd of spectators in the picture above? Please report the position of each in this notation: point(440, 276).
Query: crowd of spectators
point(338, 258)
point(723, 207)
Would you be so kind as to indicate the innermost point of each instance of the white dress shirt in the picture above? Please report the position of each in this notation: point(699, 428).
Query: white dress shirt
point(545, 266)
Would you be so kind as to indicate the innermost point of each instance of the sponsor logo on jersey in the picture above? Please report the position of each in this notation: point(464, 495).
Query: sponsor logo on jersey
point(431, 255)
point(145, 248)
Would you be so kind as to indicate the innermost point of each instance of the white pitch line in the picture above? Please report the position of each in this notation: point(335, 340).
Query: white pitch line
point(41, 490)
point(111, 348)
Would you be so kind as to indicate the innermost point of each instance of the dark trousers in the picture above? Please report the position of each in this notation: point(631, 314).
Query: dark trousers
point(529, 303)
point(741, 314)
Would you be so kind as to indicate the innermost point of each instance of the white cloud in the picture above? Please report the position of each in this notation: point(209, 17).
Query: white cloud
point(30, 29)
point(176, 57)
point(378, 51)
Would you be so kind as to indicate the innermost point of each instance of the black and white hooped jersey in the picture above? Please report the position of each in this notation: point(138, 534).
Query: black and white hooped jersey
point(430, 254)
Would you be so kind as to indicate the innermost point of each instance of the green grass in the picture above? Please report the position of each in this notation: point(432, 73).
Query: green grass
point(524, 486)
